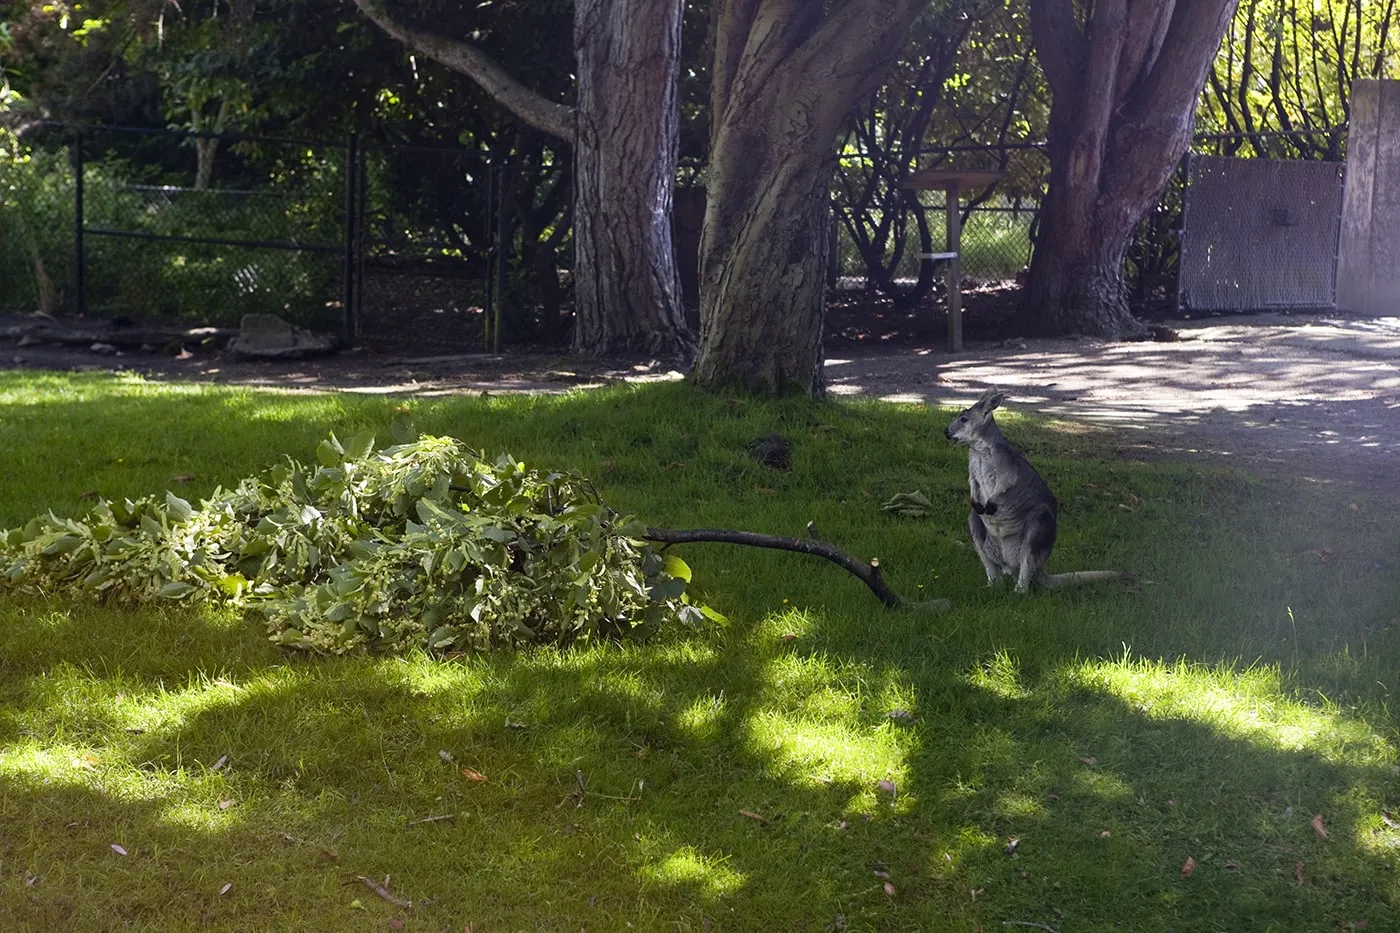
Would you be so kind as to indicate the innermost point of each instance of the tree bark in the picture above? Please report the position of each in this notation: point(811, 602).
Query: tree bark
point(785, 75)
point(627, 291)
point(1125, 87)
point(623, 130)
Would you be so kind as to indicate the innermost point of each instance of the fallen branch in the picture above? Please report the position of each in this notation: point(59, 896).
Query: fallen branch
point(868, 572)
point(383, 892)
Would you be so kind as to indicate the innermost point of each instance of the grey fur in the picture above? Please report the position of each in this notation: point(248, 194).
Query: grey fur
point(1014, 514)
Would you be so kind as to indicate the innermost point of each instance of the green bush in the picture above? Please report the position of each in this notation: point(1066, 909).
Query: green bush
point(424, 544)
point(36, 227)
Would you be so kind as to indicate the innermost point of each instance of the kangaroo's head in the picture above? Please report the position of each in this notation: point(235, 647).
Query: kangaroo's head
point(976, 420)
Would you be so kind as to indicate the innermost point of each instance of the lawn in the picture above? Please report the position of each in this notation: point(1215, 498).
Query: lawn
point(1210, 748)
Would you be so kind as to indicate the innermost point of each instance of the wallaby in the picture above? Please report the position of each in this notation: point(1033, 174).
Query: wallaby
point(1014, 514)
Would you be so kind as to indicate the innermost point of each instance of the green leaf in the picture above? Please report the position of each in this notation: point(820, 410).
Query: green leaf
point(176, 589)
point(63, 544)
point(360, 446)
point(329, 453)
point(714, 615)
point(676, 567)
point(402, 428)
point(178, 507)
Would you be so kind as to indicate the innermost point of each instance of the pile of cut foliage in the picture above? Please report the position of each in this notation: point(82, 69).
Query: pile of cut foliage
point(424, 544)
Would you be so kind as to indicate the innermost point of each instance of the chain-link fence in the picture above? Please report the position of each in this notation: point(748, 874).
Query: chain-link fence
point(386, 245)
point(427, 250)
point(998, 221)
point(399, 246)
point(160, 236)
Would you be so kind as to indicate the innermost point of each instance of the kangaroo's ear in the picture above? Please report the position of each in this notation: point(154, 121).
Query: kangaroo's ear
point(990, 399)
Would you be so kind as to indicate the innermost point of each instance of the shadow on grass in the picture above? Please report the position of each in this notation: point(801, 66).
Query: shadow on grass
point(731, 779)
point(684, 784)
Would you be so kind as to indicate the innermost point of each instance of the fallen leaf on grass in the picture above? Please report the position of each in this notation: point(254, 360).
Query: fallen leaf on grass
point(446, 756)
point(1389, 819)
point(1318, 827)
point(182, 478)
point(1188, 867)
point(219, 765)
point(977, 891)
point(118, 849)
point(889, 889)
point(225, 804)
point(475, 777)
point(225, 889)
point(1231, 865)
point(788, 636)
point(1011, 845)
point(89, 496)
point(1298, 873)
point(1090, 760)
point(1105, 834)
point(755, 816)
point(900, 715)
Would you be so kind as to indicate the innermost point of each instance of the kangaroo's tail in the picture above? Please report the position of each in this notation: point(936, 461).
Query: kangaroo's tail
point(1057, 580)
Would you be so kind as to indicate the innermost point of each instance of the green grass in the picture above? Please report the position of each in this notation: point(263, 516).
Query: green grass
point(1112, 731)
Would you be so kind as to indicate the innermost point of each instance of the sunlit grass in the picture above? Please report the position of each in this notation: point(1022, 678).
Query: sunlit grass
point(774, 772)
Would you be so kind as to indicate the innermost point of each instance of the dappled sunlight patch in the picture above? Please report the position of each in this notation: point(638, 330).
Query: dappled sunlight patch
point(1250, 704)
point(703, 720)
point(811, 751)
point(1016, 804)
point(687, 867)
point(999, 674)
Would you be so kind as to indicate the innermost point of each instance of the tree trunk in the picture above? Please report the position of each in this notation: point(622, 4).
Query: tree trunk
point(624, 134)
point(626, 289)
point(1125, 85)
point(1076, 283)
point(784, 77)
point(763, 271)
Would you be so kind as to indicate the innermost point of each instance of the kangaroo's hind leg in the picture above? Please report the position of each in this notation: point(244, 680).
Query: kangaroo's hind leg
point(1038, 539)
point(988, 548)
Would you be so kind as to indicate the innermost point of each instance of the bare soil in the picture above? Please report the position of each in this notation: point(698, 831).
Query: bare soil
point(1315, 396)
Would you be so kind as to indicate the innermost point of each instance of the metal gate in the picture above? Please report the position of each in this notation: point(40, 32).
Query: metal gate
point(1259, 234)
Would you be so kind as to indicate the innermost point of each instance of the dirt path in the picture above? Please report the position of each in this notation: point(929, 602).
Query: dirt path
point(1316, 396)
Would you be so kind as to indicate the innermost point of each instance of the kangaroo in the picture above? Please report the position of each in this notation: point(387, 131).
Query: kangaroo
point(1014, 514)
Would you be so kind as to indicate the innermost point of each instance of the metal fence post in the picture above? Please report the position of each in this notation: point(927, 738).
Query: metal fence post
point(348, 328)
point(79, 260)
point(500, 274)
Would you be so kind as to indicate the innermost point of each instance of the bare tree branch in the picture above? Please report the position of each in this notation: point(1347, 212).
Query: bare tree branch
point(538, 111)
point(867, 571)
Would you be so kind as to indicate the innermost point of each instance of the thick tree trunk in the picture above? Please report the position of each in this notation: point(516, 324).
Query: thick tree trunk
point(623, 129)
point(626, 290)
point(785, 75)
point(763, 270)
point(1125, 84)
point(1076, 277)
point(1076, 283)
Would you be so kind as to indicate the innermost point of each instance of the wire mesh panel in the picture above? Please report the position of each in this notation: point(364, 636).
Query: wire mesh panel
point(1259, 234)
point(427, 275)
point(261, 230)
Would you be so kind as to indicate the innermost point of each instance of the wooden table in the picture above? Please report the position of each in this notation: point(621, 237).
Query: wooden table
point(952, 183)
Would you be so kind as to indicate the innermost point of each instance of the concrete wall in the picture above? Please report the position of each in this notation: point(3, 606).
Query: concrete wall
point(1368, 270)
